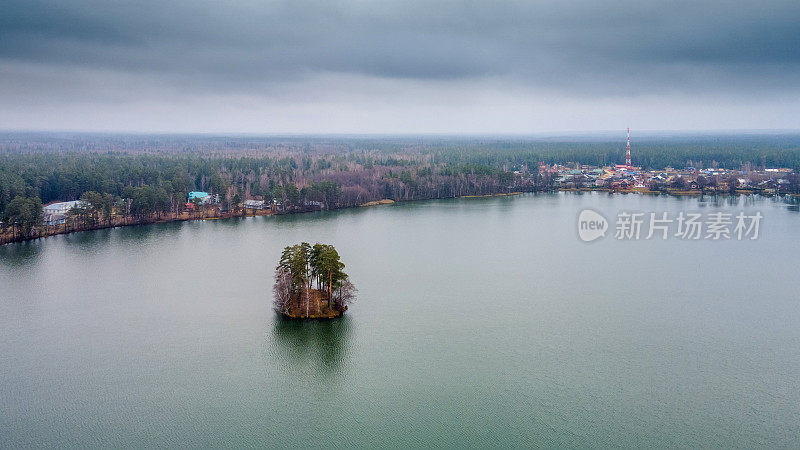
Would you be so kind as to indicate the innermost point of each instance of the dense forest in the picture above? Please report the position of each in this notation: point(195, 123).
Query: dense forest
point(145, 177)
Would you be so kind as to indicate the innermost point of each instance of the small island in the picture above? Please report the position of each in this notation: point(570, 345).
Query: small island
point(310, 283)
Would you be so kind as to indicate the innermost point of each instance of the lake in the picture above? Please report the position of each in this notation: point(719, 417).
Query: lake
point(479, 322)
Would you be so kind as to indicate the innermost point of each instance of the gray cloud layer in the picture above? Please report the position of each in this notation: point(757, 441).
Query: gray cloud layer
point(284, 51)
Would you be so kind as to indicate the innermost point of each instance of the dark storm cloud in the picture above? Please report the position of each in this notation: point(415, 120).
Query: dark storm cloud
point(587, 47)
point(398, 65)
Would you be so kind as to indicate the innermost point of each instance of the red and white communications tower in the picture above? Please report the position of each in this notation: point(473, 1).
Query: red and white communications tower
point(628, 149)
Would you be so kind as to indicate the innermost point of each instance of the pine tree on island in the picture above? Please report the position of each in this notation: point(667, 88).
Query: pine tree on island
point(310, 282)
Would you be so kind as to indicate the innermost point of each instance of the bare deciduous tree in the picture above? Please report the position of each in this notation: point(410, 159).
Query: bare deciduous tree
point(282, 290)
point(346, 293)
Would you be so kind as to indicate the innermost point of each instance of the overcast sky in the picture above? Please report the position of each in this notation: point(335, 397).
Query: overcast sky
point(399, 66)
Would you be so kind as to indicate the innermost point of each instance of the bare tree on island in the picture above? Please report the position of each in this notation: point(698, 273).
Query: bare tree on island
point(346, 293)
point(311, 278)
point(282, 290)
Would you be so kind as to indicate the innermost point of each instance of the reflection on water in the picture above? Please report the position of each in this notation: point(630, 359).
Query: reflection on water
point(730, 200)
point(750, 200)
point(20, 253)
point(143, 232)
point(88, 242)
point(292, 220)
point(227, 222)
point(321, 344)
point(792, 202)
point(716, 200)
point(91, 241)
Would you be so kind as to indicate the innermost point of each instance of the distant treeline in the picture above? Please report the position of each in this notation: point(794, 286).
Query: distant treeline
point(652, 151)
point(729, 151)
point(144, 176)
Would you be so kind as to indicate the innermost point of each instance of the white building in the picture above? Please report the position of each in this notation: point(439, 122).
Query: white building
point(55, 213)
point(254, 204)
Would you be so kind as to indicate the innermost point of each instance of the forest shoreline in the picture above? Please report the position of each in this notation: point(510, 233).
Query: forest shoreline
point(6, 238)
point(55, 230)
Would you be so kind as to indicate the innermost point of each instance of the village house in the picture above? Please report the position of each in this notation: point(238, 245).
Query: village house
point(204, 197)
point(254, 204)
point(56, 213)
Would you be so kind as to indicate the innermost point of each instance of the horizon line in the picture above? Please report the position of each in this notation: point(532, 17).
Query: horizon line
point(566, 133)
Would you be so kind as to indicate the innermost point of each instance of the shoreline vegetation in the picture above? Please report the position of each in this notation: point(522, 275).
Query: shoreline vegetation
point(55, 184)
point(211, 214)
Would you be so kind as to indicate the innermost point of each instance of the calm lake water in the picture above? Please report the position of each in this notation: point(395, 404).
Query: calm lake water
point(480, 322)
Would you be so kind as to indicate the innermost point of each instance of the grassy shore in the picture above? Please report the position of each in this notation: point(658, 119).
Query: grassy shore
point(384, 201)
